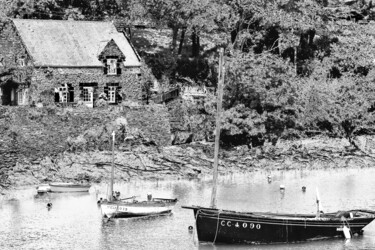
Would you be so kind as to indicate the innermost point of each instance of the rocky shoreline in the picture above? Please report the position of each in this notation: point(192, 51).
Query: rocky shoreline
point(193, 160)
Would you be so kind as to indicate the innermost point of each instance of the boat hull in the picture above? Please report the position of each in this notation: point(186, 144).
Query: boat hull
point(233, 227)
point(131, 209)
point(68, 187)
point(43, 189)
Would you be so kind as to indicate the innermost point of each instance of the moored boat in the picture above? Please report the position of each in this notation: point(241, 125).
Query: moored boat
point(61, 187)
point(43, 188)
point(123, 209)
point(114, 207)
point(224, 226)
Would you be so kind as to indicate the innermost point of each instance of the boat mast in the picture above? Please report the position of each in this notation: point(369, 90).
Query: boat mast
point(110, 197)
point(217, 132)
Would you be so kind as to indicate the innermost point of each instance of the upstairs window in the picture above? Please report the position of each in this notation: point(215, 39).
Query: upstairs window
point(112, 66)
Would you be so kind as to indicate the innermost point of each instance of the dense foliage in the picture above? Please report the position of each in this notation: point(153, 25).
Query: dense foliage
point(292, 66)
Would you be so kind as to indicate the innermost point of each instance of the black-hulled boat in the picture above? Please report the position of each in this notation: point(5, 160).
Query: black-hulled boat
point(223, 226)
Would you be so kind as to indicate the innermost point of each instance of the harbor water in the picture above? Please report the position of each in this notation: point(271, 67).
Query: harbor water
point(74, 221)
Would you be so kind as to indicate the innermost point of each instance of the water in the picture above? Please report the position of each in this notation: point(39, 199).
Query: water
point(74, 221)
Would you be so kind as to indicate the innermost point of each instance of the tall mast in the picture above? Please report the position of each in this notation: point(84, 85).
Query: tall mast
point(110, 197)
point(217, 133)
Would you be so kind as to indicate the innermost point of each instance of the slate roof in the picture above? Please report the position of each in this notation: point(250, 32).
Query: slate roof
point(57, 43)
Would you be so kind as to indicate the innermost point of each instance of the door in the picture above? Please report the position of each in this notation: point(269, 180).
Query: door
point(88, 96)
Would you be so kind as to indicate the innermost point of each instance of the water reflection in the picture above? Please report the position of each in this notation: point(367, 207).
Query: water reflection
point(75, 222)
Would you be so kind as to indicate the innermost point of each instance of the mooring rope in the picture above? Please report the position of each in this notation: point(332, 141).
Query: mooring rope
point(217, 226)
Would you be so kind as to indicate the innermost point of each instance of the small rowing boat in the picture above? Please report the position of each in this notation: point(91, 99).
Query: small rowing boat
point(43, 188)
point(62, 187)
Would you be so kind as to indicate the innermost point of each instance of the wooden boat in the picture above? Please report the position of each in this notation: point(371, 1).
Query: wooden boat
point(43, 188)
point(61, 187)
point(113, 207)
point(223, 226)
point(123, 209)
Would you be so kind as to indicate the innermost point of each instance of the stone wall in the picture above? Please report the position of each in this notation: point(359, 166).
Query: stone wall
point(12, 50)
point(28, 135)
point(44, 80)
point(11, 46)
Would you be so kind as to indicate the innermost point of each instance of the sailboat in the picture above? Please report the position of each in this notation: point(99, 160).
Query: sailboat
point(225, 226)
point(114, 207)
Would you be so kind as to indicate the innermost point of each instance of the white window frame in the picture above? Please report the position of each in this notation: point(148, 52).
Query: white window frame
point(87, 94)
point(22, 96)
point(63, 93)
point(112, 94)
point(111, 66)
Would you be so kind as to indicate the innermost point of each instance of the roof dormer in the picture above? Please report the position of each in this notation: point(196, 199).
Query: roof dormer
point(112, 58)
point(112, 50)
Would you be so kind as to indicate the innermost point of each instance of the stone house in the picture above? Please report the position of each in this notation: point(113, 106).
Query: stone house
point(66, 62)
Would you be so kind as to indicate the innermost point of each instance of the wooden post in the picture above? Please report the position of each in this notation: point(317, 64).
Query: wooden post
point(110, 197)
point(218, 120)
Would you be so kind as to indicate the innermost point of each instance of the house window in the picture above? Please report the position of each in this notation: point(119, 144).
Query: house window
point(64, 93)
point(112, 94)
point(87, 94)
point(112, 66)
point(22, 96)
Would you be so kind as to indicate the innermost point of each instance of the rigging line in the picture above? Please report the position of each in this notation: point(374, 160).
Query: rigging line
point(217, 226)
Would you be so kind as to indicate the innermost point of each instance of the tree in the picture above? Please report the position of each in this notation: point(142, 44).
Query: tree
point(40, 9)
point(260, 95)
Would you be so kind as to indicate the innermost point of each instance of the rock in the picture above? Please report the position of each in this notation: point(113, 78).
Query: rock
point(182, 137)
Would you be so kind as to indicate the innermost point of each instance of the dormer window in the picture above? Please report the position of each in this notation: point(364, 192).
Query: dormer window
point(112, 66)
point(112, 58)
